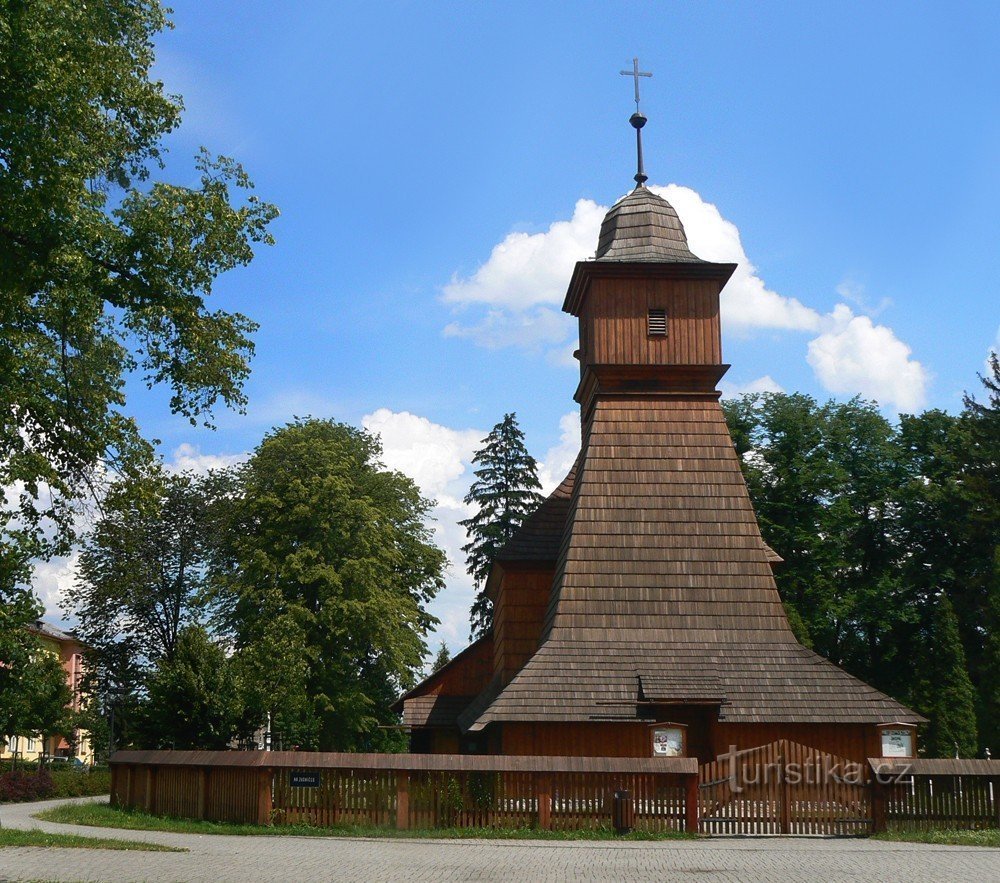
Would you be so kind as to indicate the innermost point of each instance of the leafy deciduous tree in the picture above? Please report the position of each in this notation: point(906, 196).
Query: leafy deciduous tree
point(335, 548)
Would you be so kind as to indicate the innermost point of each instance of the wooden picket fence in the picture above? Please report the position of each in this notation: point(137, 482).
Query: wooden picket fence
point(780, 788)
point(928, 794)
point(407, 791)
point(784, 788)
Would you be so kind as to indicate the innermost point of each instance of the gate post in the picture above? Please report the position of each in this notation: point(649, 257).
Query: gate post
point(543, 794)
point(878, 805)
point(691, 803)
point(402, 800)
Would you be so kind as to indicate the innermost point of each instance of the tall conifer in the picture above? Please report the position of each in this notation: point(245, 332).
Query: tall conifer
point(949, 698)
point(505, 493)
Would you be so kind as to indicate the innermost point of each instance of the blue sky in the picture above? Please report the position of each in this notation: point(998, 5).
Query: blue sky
point(439, 167)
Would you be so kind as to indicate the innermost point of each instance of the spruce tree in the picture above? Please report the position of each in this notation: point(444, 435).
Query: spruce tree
point(505, 493)
point(442, 658)
point(949, 698)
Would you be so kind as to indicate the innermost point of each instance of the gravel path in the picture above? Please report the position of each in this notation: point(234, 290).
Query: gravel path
point(224, 859)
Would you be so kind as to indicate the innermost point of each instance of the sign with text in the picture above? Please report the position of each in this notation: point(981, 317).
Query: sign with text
point(300, 779)
point(897, 743)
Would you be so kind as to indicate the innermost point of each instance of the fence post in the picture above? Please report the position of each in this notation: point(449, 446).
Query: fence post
point(543, 794)
point(151, 789)
point(402, 800)
point(786, 801)
point(264, 797)
point(202, 791)
point(879, 821)
point(691, 803)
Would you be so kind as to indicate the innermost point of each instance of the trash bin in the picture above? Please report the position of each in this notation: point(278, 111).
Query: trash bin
point(623, 812)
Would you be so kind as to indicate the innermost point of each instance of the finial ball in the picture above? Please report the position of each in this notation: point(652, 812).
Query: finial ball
point(637, 120)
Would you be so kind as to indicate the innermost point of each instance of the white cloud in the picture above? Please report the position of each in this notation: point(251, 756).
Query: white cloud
point(854, 355)
point(530, 329)
point(855, 293)
point(747, 303)
point(762, 384)
point(51, 580)
point(434, 456)
point(189, 458)
point(524, 280)
point(526, 275)
point(438, 459)
point(528, 269)
point(560, 458)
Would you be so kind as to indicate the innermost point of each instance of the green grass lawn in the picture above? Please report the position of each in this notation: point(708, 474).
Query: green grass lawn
point(10, 837)
point(104, 816)
point(982, 837)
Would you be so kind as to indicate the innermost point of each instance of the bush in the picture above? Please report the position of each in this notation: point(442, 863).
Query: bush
point(19, 786)
point(80, 783)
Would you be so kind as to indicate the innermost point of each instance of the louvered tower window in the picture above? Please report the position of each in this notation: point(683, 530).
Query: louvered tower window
point(657, 323)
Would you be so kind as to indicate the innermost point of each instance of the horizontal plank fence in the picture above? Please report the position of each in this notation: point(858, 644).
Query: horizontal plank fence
point(407, 790)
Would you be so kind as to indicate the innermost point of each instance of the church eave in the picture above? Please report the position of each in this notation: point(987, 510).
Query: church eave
point(648, 269)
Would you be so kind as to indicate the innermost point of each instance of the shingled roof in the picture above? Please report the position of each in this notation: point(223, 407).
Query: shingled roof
point(540, 537)
point(663, 569)
point(643, 227)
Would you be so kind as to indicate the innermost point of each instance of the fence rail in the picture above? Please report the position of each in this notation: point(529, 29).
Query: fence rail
point(406, 791)
point(778, 788)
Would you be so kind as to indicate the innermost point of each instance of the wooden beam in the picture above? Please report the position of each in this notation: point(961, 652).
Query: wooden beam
point(264, 778)
point(691, 803)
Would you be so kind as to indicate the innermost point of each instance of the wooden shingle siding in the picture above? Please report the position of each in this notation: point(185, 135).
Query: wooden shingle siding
point(616, 315)
point(663, 569)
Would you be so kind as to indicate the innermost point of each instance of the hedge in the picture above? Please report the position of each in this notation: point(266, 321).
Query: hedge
point(20, 786)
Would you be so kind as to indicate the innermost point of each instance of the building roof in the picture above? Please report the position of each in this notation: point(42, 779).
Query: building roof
point(47, 630)
point(663, 571)
point(541, 534)
point(643, 227)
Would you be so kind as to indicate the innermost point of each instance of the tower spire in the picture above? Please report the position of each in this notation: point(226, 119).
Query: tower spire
point(637, 120)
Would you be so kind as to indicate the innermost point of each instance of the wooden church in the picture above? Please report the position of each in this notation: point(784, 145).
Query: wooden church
point(635, 613)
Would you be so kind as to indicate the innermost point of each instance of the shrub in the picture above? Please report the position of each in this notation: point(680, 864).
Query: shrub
point(80, 783)
point(19, 786)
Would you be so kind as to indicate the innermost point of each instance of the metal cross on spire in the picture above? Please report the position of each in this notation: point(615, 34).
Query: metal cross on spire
point(635, 73)
point(637, 119)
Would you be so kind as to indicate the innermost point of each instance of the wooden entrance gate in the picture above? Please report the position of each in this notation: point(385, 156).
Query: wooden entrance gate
point(784, 788)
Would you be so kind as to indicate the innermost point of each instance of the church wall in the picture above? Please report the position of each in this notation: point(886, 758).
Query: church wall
point(517, 618)
point(706, 739)
point(613, 322)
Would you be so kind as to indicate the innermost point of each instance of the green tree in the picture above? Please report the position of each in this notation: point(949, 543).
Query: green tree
point(978, 601)
point(442, 658)
point(33, 692)
point(947, 696)
point(143, 569)
point(328, 543)
point(779, 439)
point(825, 482)
point(105, 266)
point(141, 580)
point(505, 492)
point(194, 697)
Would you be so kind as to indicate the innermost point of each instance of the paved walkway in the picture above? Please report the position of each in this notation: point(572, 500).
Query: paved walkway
point(221, 859)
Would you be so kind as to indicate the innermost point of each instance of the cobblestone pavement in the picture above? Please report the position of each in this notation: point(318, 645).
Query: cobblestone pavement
point(220, 859)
